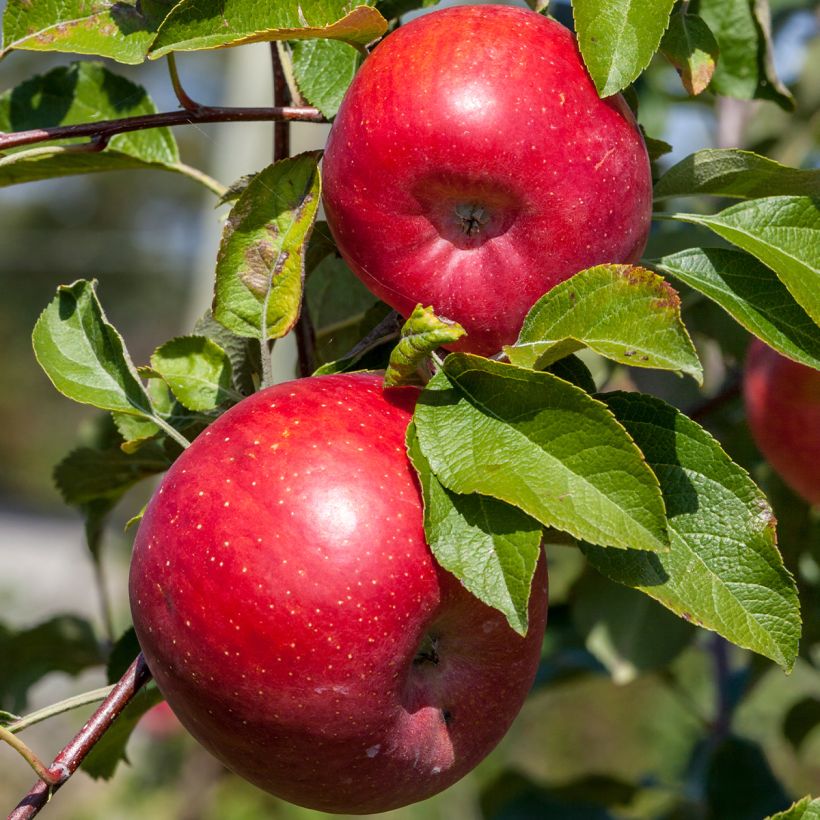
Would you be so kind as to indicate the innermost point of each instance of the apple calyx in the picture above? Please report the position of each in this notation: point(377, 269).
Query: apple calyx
point(427, 651)
point(473, 218)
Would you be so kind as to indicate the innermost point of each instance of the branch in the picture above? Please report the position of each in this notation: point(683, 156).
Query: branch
point(105, 129)
point(69, 759)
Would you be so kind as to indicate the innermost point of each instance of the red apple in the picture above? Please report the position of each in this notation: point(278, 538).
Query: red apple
point(293, 616)
point(472, 167)
point(783, 411)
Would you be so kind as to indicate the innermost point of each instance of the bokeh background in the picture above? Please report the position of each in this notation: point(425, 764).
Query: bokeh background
point(621, 707)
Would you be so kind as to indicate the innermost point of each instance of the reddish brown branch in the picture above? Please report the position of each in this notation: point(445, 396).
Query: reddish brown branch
point(69, 759)
point(105, 129)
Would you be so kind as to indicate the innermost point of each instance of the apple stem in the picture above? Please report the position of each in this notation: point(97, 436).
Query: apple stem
point(69, 759)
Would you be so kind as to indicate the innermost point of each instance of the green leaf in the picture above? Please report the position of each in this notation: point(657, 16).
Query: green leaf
point(571, 369)
point(87, 474)
point(735, 173)
point(692, 49)
point(122, 31)
point(625, 313)
point(81, 93)
point(540, 444)
point(617, 38)
point(104, 757)
point(323, 70)
point(64, 643)
point(338, 303)
point(753, 295)
point(205, 24)
point(421, 335)
point(490, 546)
point(122, 655)
point(724, 571)
point(805, 809)
point(84, 356)
point(628, 632)
point(197, 370)
point(783, 232)
point(745, 69)
point(260, 267)
point(244, 354)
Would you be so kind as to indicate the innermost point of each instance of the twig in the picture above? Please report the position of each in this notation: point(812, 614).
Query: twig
point(304, 330)
point(105, 129)
point(69, 759)
point(28, 754)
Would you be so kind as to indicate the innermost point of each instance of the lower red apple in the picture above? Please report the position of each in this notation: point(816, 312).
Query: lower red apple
point(293, 616)
point(472, 167)
point(783, 411)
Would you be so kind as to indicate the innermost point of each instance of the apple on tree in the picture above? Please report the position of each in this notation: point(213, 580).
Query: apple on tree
point(783, 410)
point(293, 615)
point(472, 166)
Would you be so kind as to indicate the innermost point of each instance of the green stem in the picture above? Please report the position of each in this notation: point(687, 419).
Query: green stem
point(266, 346)
point(200, 176)
point(174, 434)
point(59, 708)
point(29, 756)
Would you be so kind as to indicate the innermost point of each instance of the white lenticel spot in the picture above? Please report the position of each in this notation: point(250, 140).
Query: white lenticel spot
point(374, 750)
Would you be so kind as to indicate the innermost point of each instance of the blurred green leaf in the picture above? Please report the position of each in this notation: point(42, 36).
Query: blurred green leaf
point(323, 70)
point(338, 303)
point(106, 754)
point(724, 571)
point(64, 643)
point(390, 9)
point(618, 38)
point(122, 655)
point(204, 24)
point(421, 335)
point(511, 796)
point(782, 232)
point(735, 173)
point(752, 295)
point(692, 49)
point(625, 313)
point(122, 31)
point(740, 784)
point(745, 69)
point(626, 630)
point(490, 546)
point(801, 720)
point(260, 266)
point(88, 474)
point(540, 444)
point(197, 370)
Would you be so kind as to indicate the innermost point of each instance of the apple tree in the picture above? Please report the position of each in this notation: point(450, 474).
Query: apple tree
point(522, 335)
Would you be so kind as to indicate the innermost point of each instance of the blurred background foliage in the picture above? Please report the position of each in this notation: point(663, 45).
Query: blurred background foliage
point(635, 714)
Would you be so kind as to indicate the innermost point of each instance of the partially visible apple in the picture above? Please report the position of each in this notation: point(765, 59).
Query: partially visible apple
point(472, 167)
point(783, 411)
point(293, 616)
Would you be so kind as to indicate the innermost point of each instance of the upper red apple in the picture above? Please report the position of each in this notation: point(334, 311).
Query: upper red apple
point(783, 411)
point(292, 614)
point(472, 167)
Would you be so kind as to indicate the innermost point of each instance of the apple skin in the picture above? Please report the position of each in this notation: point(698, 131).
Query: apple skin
point(783, 411)
point(488, 108)
point(282, 589)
